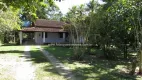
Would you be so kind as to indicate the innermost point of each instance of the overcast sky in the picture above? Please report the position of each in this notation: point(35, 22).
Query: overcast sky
point(66, 4)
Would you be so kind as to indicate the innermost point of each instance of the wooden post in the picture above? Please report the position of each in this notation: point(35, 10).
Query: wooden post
point(14, 37)
point(43, 37)
point(64, 36)
point(20, 35)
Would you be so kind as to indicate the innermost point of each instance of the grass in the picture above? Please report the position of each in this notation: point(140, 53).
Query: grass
point(9, 55)
point(92, 67)
point(44, 69)
point(61, 53)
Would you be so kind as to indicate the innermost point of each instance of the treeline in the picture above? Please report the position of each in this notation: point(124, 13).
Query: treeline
point(114, 27)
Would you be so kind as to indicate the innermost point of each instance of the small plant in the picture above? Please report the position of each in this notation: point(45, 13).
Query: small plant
point(78, 53)
point(110, 53)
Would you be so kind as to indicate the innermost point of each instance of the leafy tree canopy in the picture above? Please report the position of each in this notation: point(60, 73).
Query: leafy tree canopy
point(30, 8)
point(9, 20)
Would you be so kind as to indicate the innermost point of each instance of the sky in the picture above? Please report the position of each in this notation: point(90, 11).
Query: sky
point(66, 4)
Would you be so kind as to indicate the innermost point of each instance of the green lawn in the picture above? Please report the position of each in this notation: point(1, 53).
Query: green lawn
point(44, 69)
point(61, 53)
point(92, 68)
point(9, 56)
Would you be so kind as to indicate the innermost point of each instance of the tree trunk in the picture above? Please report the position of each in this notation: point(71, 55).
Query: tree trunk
point(125, 52)
point(140, 57)
point(14, 37)
point(134, 65)
point(140, 62)
point(5, 37)
point(125, 49)
point(104, 51)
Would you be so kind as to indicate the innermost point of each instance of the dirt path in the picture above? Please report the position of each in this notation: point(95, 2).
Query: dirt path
point(62, 70)
point(25, 70)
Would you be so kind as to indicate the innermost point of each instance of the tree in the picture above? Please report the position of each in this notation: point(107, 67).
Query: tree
point(54, 13)
point(77, 29)
point(30, 8)
point(119, 24)
point(92, 6)
point(9, 21)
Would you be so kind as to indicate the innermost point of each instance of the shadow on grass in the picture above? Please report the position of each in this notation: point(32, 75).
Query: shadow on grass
point(37, 56)
point(49, 68)
point(101, 74)
point(10, 44)
point(101, 68)
point(62, 53)
point(106, 69)
point(65, 53)
point(41, 61)
point(11, 51)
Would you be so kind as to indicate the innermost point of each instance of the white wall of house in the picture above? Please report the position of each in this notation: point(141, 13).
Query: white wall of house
point(51, 38)
point(38, 38)
point(54, 38)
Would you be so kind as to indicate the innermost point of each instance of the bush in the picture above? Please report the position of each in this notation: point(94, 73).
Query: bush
point(78, 53)
point(109, 53)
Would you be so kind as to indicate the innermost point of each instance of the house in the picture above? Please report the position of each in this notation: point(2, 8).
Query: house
point(45, 31)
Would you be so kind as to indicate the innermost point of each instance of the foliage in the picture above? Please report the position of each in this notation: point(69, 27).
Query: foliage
point(53, 13)
point(119, 25)
point(10, 11)
point(115, 24)
point(9, 21)
point(31, 9)
point(77, 28)
point(45, 10)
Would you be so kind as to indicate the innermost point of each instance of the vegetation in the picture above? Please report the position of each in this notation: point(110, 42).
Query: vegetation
point(93, 66)
point(13, 14)
point(9, 21)
point(115, 27)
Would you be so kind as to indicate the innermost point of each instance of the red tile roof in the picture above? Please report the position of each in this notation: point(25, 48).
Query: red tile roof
point(37, 29)
point(48, 23)
point(42, 25)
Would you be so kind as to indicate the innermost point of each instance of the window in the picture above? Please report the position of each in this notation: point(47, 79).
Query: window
point(42, 34)
point(60, 35)
point(46, 34)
